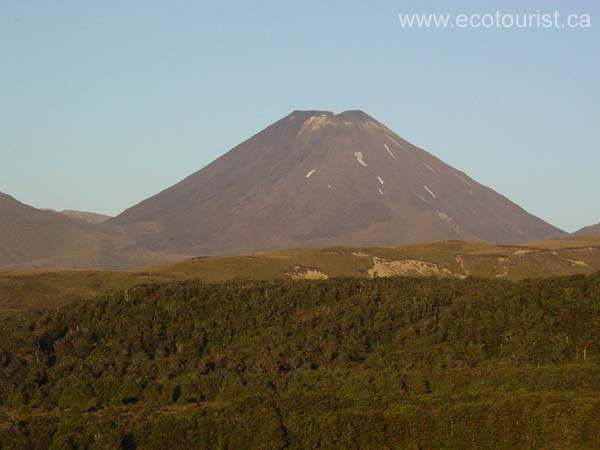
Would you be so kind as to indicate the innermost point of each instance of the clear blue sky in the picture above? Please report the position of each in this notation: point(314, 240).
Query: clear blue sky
point(103, 104)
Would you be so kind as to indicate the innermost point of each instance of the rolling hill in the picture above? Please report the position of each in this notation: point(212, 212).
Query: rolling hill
point(31, 289)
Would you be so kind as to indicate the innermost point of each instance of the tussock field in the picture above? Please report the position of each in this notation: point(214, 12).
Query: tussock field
point(22, 290)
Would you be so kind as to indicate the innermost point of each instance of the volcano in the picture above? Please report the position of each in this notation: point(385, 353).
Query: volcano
point(315, 178)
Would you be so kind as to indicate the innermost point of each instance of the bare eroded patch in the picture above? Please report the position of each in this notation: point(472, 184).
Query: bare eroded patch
point(383, 268)
point(314, 123)
point(502, 267)
point(576, 262)
point(306, 273)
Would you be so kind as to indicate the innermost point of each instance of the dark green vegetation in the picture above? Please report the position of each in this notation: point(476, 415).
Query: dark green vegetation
point(345, 363)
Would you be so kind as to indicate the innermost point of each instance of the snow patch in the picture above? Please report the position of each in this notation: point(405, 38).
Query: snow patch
point(380, 191)
point(380, 180)
point(393, 140)
point(430, 168)
point(389, 151)
point(310, 173)
point(329, 186)
point(445, 217)
point(430, 191)
point(359, 158)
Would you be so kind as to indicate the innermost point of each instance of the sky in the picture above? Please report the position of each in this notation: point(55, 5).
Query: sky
point(103, 104)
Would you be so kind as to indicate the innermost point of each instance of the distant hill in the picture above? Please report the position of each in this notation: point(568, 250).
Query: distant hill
point(588, 231)
point(316, 179)
point(451, 259)
point(29, 234)
point(86, 216)
point(31, 237)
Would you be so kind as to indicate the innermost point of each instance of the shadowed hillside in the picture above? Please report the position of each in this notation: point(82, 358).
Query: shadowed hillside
point(31, 237)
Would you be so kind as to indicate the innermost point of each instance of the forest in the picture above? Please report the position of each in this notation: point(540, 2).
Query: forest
point(333, 364)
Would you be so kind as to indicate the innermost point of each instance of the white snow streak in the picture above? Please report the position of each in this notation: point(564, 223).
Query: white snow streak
point(389, 151)
point(430, 191)
point(380, 191)
point(380, 180)
point(310, 173)
point(394, 140)
point(359, 158)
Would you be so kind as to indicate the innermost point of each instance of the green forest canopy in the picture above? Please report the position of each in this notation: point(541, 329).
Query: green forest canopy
point(343, 363)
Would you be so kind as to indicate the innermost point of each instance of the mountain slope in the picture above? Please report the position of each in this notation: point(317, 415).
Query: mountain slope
point(31, 237)
point(30, 234)
point(588, 231)
point(317, 179)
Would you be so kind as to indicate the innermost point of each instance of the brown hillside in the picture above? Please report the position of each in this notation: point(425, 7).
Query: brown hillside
point(317, 179)
point(588, 231)
point(31, 237)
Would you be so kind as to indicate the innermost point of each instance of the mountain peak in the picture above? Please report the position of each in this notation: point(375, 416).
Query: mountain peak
point(356, 114)
point(301, 114)
point(320, 179)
